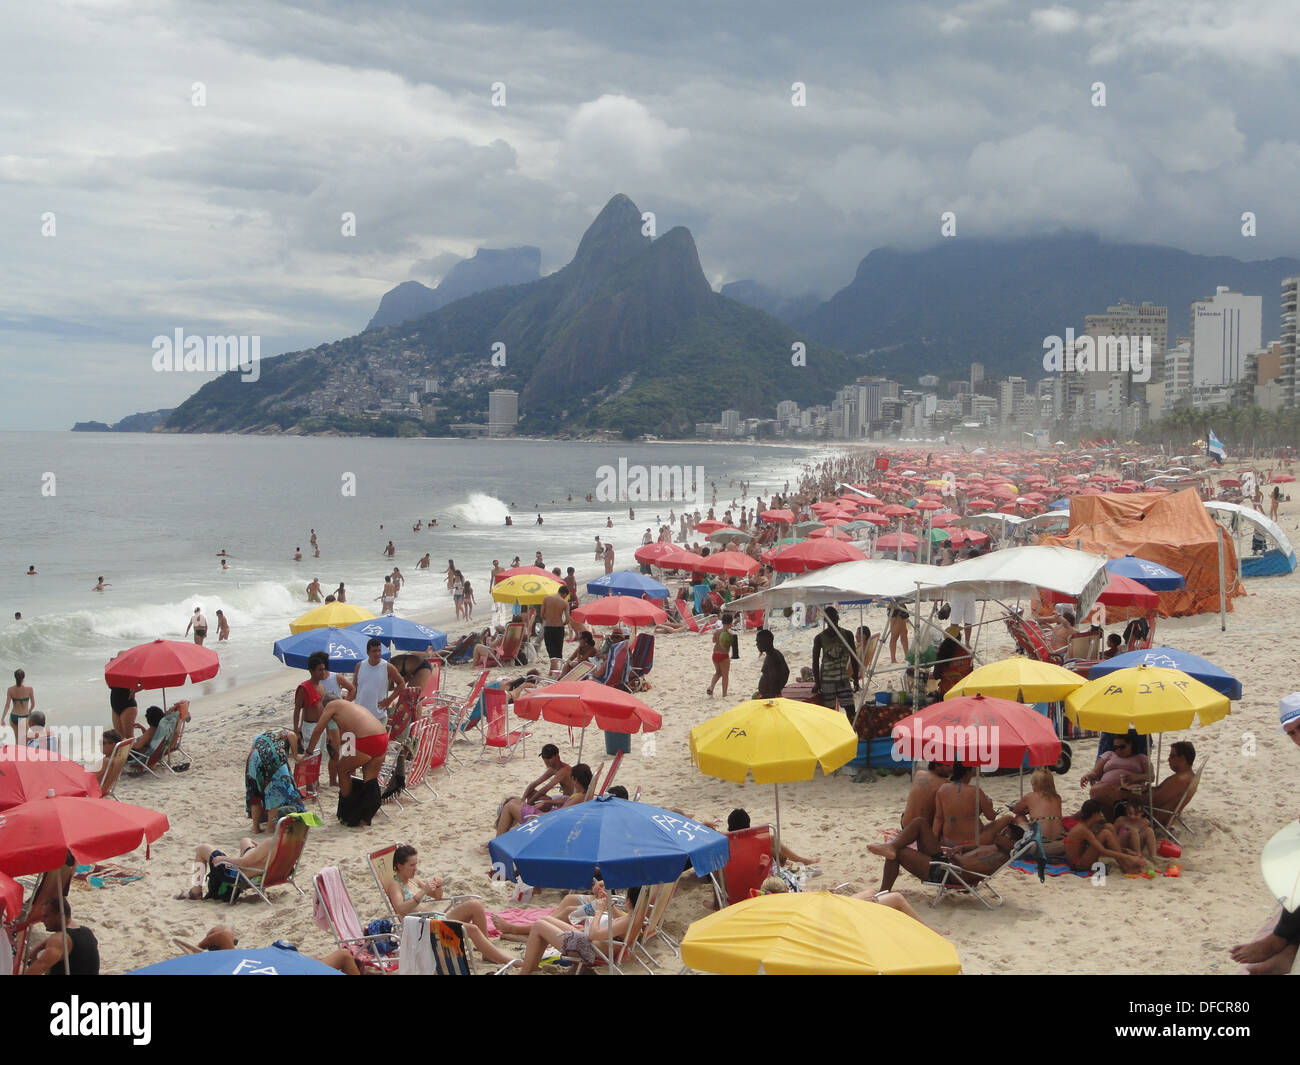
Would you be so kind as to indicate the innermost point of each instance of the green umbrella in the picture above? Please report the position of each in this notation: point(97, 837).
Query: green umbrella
point(938, 536)
point(805, 527)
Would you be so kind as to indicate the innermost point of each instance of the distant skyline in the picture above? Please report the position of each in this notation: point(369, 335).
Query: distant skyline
point(225, 218)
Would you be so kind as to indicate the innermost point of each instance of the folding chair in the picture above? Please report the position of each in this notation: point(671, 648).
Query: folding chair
point(641, 659)
point(1176, 814)
point(609, 778)
point(448, 947)
point(954, 880)
point(113, 769)
point(496, 733)
point(511, 641)
point(333, 912)
point(164, 739)
point(1030, 640)
point(306, 778)
point(659, 903)
point(381, 867)
point(627, 947)
point(286, 849)
point(749, 863)
point(616, 668)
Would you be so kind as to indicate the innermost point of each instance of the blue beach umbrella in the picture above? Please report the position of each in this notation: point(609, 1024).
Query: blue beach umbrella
point(1171, 658)
point(273, 961)
point(632, 843)
point(627, 582)
point(345, 647)
point(402, 634)
point(1151, 574)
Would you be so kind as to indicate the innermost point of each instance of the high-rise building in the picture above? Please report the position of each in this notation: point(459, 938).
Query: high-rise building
point(976, 376)
point(731, 420)
point(1178, 374)
point(1132, 320)
point(787, 409)
point(503, 411)
point(1286, 378)
point(1011, 393)
point(1226, 327)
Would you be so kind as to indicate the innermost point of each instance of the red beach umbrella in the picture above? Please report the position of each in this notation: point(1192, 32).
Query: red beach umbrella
point(161, 664)
point(897, 510)
point(829, 534)
point(710, 525)
point(524, 571)
point(36, 836)
point(874, 518)
point(27, 774)
point(579, 702)
point(814, 554)
point(1120, 591)
point(980, 731)
point(890, 540)
point(785, 516)
point(651, 553)
point(732, 564)
point(962, 537)
point(681, 559)
point(619, 610)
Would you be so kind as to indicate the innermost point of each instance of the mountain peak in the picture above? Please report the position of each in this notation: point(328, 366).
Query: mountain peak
point(613, 238)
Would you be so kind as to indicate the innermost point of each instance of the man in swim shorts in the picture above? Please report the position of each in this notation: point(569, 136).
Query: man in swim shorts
point(365, 741)
point(555, 615)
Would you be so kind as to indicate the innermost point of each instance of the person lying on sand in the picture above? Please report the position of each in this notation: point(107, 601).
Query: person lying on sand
point(222, 937)
point(925, 862)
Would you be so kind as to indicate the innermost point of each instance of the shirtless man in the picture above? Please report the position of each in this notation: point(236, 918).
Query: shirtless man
point(1092, 839)
point(982, 859)
point(388, 596)
point(921, 799)
point(200, 626)
point(558, 774)
point(555, 615)
point(956, 820)
point(314, 590)
point(100, 586)
point(390, 550)
point(1166, 796)
point(516, 811)
point(223, 626)
point(424, 562)
point(297, 554)
point(369, 740)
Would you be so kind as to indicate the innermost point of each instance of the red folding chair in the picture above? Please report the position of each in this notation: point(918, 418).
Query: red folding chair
point(496, 732)
point(748, 866)
point(306, 778)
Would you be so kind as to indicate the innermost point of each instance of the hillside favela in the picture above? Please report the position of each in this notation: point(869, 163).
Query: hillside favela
point(625, 491)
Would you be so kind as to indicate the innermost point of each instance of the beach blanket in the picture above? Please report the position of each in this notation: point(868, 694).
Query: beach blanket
point(517, 917)
point(1053, 868)
point(105, 874)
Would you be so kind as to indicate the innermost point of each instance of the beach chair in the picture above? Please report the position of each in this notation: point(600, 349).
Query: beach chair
point(609, 778)
point(754, 619)
point(447, 944)
point(1030, 640)
point(955, 881)
point(511, 640)
point(164, 739)
point(113, 769)
point(306, 778)
point(616, 667)
point(687, 615)
point(461, 715)
point(1175, 816)
point(749, 863)
point(641, 659)
point(579, 672)
point(659, 903)
point(333, 912)
point(460, 652)
point(286, 849)
point(626, 948)
point(381, 868)
point(49, 886)
point(496, 733)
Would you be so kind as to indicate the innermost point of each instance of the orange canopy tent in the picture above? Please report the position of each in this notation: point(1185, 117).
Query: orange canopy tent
point(1172, 529)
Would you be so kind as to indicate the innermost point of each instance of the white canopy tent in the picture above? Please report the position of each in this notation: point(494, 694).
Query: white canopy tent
point(1280, 560)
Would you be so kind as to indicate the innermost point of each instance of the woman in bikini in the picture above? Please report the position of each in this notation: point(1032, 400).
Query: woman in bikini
point(451, 571)
point(722, 656)
point(20, 701)
point(1042, 807)
point(406, 892)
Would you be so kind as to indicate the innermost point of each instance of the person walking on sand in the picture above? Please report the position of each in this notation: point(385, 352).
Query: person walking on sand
point(200, 626)
point(467, 601)
point(722, 655)
point(223, 627)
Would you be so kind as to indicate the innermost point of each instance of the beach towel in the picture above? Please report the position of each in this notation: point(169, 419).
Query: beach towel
point(105, 874)
point(1051, 869)
point(339, 904)
point(432, 948)
point(516, 917)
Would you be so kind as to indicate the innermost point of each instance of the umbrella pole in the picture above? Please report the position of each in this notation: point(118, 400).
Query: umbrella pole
point(1223, 593)
point(776, 847)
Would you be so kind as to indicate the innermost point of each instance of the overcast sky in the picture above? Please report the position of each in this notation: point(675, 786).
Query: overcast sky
point(226, 218)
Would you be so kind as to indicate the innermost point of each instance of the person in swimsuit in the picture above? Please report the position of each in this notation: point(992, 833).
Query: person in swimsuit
point(555, 615)
point(406, 892)
point(514, 812)
point(340, 594)
point(721, 656)
point(100, 586)
point(223, 627)
point(20, 701)
point(362, 735)
point(467, 601)
point(388, 596)
point(1118, 774)
point(451, 573)
point(1042, 807)
point(921, 798)
point(423, 563)
point(458, 592)
point(565, 937)
point(1092, 839)
point(314, 590)
point(957, 816)
point(1134, 832)
point(211, 880)
point(200, 626)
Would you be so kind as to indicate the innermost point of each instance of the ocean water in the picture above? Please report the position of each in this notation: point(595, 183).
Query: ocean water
point(150, 513)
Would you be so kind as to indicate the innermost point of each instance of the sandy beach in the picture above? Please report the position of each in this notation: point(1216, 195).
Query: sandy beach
point(1067, 925)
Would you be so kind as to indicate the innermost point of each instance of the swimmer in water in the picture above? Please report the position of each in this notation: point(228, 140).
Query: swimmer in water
point(100, 586)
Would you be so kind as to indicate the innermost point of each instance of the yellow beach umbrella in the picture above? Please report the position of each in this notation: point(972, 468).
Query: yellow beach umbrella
point(1280, 861)
point(1020, 679)
point(330, 615)
point(775, 740)
point(1145, 698)
point(526, 589)
point(815, 933)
